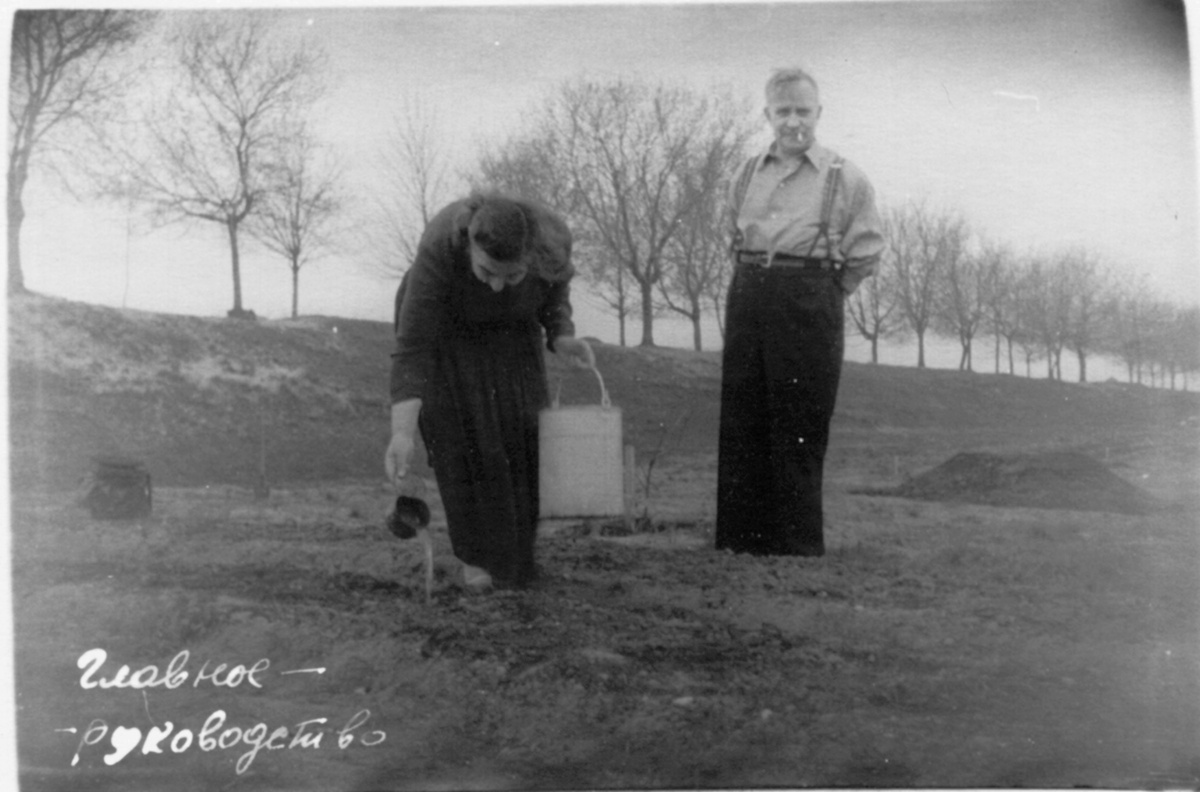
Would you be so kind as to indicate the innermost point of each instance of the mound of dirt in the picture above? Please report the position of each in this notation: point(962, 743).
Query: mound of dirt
point(1058, 480)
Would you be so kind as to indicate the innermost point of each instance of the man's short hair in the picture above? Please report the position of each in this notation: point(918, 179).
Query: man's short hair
point(780, 78)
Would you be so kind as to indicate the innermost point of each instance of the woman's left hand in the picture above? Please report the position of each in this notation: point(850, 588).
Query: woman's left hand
point(578, 351)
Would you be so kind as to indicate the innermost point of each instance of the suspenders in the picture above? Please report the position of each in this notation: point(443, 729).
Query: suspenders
point(832, 179)
point(831, 184)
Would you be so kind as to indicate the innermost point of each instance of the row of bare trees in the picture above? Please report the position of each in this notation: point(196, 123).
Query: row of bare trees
point(219, 132)
point(938, 277)
point(640, 172)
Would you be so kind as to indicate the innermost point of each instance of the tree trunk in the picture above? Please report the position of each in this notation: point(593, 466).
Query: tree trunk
point(1011, 368)
point(1079, 353)
point(921, 349)
point(232, 226)
point(16, 216)
point(295, 288)
point(875, 348)
point(622, 311)
point(647, 314)
point(997, 353)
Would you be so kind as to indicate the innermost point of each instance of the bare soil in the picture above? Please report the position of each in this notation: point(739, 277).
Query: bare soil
point(938, 643)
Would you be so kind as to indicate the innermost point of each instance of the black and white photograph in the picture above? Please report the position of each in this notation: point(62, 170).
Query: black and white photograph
point(558, 396)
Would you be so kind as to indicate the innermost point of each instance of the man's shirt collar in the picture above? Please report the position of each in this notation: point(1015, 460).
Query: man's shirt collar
point(817, 156)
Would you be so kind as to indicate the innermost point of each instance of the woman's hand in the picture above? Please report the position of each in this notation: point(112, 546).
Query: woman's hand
point(578, 351)
point(400, 449)
point(398, 456)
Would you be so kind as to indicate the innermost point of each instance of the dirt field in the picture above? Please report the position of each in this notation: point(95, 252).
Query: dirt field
point(937, 644)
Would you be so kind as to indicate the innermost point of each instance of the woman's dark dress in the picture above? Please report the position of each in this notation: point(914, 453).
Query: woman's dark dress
point(475, 358)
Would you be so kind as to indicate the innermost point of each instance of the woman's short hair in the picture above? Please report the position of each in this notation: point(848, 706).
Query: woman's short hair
point(500, 228)
point(516, 231)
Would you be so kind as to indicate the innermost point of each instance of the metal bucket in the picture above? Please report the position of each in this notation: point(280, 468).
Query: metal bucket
point(581, 467)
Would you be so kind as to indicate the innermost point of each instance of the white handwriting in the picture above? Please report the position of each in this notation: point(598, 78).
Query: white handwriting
point(214, 735)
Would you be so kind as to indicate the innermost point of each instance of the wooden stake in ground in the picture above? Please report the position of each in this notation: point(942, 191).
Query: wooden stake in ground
point(427, 545)
point(261, 489)
point(630, 486)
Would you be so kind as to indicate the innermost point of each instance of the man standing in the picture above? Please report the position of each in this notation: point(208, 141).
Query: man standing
point(805, 233)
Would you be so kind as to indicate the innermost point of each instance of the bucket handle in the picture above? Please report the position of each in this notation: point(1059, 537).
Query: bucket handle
point(604, 400)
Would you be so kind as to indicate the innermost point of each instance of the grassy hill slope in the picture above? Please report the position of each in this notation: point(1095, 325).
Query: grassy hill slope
point(210, 400)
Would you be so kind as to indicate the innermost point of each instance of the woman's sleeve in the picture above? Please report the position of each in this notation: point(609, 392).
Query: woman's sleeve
point(420, 303)
point(555, 314)
point(552, 252)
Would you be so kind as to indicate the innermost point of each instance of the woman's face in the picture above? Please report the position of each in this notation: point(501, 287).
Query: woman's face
point(495, 274)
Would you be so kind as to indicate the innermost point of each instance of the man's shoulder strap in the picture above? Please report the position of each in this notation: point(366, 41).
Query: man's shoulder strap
point(832, 178)
point(743, 182)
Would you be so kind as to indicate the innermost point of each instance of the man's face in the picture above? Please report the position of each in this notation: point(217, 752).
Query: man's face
point(495, 274)
point(793, 111)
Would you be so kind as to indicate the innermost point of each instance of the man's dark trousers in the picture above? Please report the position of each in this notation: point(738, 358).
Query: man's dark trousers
point(780, 371)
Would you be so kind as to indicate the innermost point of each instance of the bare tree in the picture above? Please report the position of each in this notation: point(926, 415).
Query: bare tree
point(1019, 328)
point(622, 153)
point(59, 85)
point(296, 214)
point(1129, 319)
point(1164, 351)
point(1084, 283)
point(697, 258)
point(527, 167)
point(1045, 310)
point(1000, 277)
point(716, 294)
point(1031, 348)
point(610, 285)
point(873, 308)
point(694, 260)
point(218, 136)
point(960, 293)
point(417, 181)
point(917, 238)
point(1184, 343)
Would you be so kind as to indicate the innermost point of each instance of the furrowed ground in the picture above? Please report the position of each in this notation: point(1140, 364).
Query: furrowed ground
point(939, 643)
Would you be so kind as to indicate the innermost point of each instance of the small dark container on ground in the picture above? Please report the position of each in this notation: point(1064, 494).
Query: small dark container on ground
point(407, 516)
point(118, 488)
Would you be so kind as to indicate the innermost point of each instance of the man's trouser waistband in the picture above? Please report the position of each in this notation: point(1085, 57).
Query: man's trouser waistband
point(759, 258)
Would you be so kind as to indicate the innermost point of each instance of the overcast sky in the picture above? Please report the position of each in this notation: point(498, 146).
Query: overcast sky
point(1046, 123)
